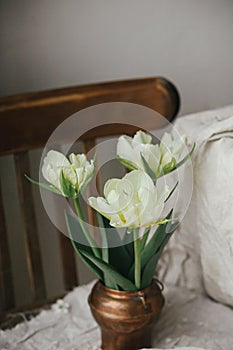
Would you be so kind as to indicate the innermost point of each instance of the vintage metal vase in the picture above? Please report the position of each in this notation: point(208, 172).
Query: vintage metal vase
point(126, 318)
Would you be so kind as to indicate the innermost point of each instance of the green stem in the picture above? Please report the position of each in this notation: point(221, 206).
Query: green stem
point(137, 260)
point(144, 238)
point(86, 232)
point(105, 252)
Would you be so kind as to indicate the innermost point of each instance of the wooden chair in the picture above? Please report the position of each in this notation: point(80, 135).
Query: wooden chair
point(27, 120)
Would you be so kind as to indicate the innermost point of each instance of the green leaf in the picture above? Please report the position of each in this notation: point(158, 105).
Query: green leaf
point(169, 167)
point(149, 270)
point(129, 165)
point(186, 157)
point(109, 282)
point(148, 169)
point(92, 267)
point(155, 242)
point(45, 186)
point(171, 227)
point(85, 229)
point(105, 254)
point(149, 265)
point(76, 235)
point(171, 193)
point(128, 242)
point(109, 270)
point(119, 257)
point(177, 165)
point(67, 187)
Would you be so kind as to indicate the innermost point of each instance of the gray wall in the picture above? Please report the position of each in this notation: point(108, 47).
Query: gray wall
point(47, 44)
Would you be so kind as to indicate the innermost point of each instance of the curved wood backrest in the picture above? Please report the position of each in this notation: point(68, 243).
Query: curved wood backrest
point(27, 120)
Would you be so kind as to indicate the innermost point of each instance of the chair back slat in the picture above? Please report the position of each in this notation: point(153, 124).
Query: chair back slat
point(7, 299)
point(32, 246)
point(69, 271)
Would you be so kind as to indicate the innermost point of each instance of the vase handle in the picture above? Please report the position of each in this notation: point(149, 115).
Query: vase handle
point(159, 284)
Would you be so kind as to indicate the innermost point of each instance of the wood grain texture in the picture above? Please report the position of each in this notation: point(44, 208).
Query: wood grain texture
point(27, 120)
point(7, 299)
point(31, 241)
point(69, 272)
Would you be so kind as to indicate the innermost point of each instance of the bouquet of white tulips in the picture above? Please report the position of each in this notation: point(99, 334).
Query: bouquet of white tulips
point(134, 202)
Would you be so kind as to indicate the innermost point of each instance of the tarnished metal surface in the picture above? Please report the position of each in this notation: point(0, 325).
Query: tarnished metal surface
point(126, 318)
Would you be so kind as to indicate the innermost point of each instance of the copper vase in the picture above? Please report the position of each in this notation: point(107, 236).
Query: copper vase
point(126, 318)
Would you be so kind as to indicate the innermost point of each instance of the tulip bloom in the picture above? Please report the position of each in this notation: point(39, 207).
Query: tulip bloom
point(133, 201)
point(68, 176)
point(139, 153)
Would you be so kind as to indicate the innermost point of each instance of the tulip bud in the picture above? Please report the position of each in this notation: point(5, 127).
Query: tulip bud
point(71, 176)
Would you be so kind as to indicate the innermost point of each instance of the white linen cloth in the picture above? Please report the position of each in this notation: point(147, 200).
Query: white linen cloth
point(189, 319)
point(209, 223)
point(201, 249)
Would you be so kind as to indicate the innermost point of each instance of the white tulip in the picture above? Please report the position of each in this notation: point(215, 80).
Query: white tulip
point(133, 201)
point(71, 176)
point(83, 168)
point(161, 158)
point(171, 149)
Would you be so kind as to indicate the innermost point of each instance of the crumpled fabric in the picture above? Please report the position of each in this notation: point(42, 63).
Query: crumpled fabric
point(209, 221)
point(190, 320)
